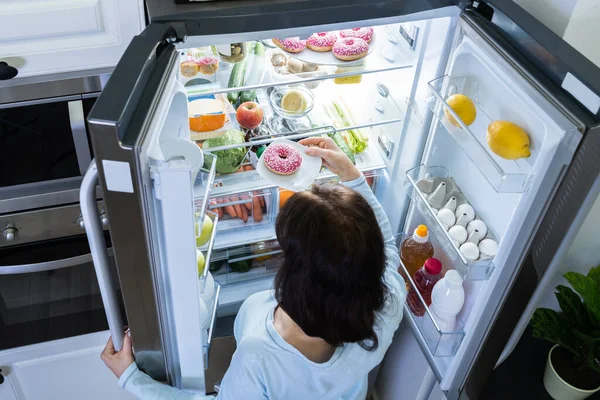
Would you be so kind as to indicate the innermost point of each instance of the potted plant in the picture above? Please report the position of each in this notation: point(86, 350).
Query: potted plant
point(573, 366)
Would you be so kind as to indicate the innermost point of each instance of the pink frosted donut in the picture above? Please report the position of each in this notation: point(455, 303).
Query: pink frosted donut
point(321, 41)
point(365, 34)
point(350, 49)
point(291, 45)
point(282, 159)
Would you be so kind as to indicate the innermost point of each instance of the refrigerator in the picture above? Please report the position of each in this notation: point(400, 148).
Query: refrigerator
point(157, 192)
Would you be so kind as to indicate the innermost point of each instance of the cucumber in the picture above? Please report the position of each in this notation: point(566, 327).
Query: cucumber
point(256, 75)
point(341, 142)
point(238, 73)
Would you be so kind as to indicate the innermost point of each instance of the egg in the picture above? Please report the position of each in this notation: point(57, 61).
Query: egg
point(446, 217)
point(465, 209)
point(477, 225)
point(488, 248)
point(470, 251)
point(458, 233)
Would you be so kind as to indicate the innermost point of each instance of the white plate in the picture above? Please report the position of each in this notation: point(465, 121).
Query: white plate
point(327, 57)
point(299, 180)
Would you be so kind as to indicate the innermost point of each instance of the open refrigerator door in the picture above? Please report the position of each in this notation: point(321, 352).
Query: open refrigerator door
point(482, 210)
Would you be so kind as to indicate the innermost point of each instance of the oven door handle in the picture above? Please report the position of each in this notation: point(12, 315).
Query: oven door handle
point(98, 250)
point(46, 266)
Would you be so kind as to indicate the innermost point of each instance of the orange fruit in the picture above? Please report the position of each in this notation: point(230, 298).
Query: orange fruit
point(284, 195)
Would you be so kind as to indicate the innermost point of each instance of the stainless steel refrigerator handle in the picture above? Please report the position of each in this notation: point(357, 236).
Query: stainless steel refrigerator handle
point(98, 250)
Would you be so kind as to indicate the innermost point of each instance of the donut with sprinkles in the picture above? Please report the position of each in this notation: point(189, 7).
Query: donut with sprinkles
point(291, 45)
point(282, 159)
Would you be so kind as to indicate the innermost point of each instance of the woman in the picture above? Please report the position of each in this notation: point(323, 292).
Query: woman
point(337, 301)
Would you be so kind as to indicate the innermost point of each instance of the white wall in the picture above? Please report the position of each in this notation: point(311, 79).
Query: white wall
point(583, 29)
point(554, 14)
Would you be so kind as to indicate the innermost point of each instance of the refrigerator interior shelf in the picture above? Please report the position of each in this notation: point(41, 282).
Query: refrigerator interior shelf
point(512, 176)
point(207, 249)
point(247, 262)
point(204, 184)
point(439, 342)
point(256, 208)
point(421, 182)
point(386, 57)
point(211, 327)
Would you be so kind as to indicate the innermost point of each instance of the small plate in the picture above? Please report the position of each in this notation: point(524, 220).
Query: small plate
point(299, 180)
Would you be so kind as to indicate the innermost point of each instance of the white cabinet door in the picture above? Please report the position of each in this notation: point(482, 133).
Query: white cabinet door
point(67, 369)
point(51, 36)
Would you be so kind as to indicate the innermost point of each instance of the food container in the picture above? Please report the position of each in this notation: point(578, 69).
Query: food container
point(198, 66)
point(233, 52)
point(210, 116)
point(277, 95)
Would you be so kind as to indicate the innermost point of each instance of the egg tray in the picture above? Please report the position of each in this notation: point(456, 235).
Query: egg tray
point(421, 183)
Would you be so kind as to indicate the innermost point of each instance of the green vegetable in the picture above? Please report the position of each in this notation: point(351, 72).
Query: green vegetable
point(238, 73)
point(256, 74)
point(228, 161)
point(341, 142)
point(216, 266)
point(356, 139)
point(241, 266)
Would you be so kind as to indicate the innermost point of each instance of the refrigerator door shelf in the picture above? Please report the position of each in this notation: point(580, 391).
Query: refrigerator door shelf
point(207, 249)
point(442, 342)
point(204, 184)
point(421, 182)
point(211, 329)
point(512, 176)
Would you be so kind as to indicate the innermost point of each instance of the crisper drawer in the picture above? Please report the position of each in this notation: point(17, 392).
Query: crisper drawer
point(244, 210)
point(246, 263)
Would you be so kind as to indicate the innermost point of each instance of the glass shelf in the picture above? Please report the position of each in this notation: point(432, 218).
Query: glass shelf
point(422, 181)
point(441, 343)
point(207, 248)
point(511, 176)
point(204, 184)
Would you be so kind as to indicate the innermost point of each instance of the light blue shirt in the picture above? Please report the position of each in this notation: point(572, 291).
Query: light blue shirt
point(265, 366)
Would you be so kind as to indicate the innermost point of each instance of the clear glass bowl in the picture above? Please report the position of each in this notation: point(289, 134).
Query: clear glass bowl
point(277, 95)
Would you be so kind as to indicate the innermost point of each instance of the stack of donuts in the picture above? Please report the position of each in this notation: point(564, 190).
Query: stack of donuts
point(347, 45)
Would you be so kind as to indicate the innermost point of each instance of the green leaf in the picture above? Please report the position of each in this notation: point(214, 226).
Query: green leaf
point(548, 325)
point(587, 289)
point(594, 274)
point(573, 308)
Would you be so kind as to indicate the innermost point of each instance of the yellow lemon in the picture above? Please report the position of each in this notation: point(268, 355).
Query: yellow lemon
point(200, 260)
point(508, 140)
point(293, 102)
point(204, 234)
point(463, 107)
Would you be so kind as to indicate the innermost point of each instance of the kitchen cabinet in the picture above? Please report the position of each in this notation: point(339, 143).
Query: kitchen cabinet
point(67, 369)
point(52, 36)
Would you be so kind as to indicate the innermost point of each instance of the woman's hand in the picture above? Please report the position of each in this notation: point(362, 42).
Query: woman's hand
point(118, 361)
point(333, 158)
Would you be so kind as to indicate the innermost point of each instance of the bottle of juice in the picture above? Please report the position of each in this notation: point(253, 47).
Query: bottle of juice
point(415, 250)
point(425, 278)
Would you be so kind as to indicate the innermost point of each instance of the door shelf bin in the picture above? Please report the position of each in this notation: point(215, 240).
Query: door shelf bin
point(211, 327)
point(207, 248)
point(420, 182)
point(440, 343)
point(511, 176)
point(246, 263)
point(204, 183)
point(258, 207)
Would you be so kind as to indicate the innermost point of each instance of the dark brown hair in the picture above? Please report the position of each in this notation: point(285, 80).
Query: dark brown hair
point(331, 281)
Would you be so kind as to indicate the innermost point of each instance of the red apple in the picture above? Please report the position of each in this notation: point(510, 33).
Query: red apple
point(249, 115)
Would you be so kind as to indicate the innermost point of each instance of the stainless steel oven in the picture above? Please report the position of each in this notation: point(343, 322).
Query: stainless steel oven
point(48, 286)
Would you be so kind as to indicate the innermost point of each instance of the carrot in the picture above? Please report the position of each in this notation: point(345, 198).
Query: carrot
point(218, 210)
point(229, 209)
point(241, 169)
point(258, 213)
point(244, 214)
point(248, 168)
point(260, 198)
point(237, 207)
point(246, 197)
